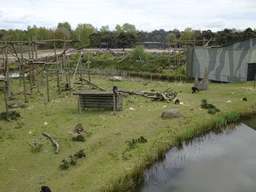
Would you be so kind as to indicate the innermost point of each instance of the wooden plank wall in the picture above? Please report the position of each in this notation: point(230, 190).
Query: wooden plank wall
point(100, 101)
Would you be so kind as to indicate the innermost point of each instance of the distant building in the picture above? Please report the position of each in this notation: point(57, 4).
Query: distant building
point(230, 63)
point(153, 45)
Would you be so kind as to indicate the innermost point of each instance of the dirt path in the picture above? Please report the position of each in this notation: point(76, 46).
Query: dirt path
point(50, 52)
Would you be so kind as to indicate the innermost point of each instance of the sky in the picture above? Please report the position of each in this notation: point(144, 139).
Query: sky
point(146, 15)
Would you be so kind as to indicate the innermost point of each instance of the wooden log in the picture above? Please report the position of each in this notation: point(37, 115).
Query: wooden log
point(75, 70)
point(53, 142)
point(81, 79)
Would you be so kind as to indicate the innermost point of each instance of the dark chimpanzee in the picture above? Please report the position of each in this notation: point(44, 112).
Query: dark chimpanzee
point(195, 89)
point(177, 101)
point(115, 89)
point(45, 189)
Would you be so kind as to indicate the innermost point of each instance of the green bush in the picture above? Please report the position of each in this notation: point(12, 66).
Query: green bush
point(64, 164)
point(13, 115)
point(78, 138)
point(85, 57)
point(106, 55)
point(75, 57)
point(80, 154)
point(72, 161)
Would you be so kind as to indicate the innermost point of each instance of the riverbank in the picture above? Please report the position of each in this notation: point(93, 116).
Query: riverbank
point(111, 164)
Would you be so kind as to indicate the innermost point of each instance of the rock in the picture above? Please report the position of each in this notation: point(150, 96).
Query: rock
point(117, 78)
point(78, 129)
point(171, 113)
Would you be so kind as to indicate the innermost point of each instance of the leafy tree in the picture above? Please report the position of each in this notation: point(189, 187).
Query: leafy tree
point(126, 28)
point(95, 39)
point(65, 27)
point(170, 38)
point(188, 34)
point(126, 40)
point(85, 30)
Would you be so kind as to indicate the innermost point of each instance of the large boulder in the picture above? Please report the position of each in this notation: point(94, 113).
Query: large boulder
point(171, 113)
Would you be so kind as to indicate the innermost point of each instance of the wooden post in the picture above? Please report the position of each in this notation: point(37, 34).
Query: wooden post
point(35, 48)
point(64, 56)
point(56, 57)
point(58, 80)
point(5, 99)
point(47, 80)
point(20, 74)
point(7, 71)
point(32, 47)
point(37, 74)
point(89, 71)
point(24, 83)
point(29, 48)
point(69, 84)
point(30, 78)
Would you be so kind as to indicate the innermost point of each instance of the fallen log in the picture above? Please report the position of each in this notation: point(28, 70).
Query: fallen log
point(53, 142)
point(154, 95)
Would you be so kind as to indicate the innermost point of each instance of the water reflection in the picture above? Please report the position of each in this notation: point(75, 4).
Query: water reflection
point(222, 162)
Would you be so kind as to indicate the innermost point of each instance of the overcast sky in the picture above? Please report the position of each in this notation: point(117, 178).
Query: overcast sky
point(146, 15)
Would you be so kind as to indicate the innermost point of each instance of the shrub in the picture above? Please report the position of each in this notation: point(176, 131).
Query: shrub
point(64, 164)
point(13, 115)
point(75, 57)
point(79, 138)
point(72, 161)
point(80, 154)
point(85, 57)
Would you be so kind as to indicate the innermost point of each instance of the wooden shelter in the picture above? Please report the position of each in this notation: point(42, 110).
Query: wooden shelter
point(99, 99)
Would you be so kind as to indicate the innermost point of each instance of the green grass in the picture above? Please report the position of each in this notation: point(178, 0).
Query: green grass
point(109, 163)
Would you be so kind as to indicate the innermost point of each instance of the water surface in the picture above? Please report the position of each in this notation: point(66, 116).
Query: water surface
point(223, 162)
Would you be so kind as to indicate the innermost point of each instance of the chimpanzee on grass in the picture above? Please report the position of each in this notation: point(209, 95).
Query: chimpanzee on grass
point(115, 89)
point(177, 101)
point(45, 189)
point(195, 89)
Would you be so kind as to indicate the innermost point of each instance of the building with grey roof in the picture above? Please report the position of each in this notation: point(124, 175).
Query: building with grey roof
point(230, 63)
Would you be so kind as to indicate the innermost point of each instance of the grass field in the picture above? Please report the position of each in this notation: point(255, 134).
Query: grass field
point(110, 164)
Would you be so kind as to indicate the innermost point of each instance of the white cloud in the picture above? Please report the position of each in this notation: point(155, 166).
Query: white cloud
point(146, 15)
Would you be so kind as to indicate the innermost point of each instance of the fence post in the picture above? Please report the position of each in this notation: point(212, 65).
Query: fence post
point(47, 79)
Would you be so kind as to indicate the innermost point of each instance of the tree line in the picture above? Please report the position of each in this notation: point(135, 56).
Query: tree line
point(124, 36)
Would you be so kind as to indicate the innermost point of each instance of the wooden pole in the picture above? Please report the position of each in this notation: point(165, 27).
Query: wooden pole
point(69, 84)
point(24, 83)
point(64, 56)
point(35, 48)
point(32, 47)
point(89, 71)
point(47, 80)
point(30, 78)
point(56, 57)
point(58, 80)
point(20, 74)
point(29, 48)
point(7, 71)
point(5, 99)
point(37, 74)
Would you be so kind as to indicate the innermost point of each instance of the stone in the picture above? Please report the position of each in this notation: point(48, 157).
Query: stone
point(204, 84)
point(78, 129)
point(171, 113)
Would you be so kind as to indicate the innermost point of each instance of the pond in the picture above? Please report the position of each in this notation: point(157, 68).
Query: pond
point(214, 162)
